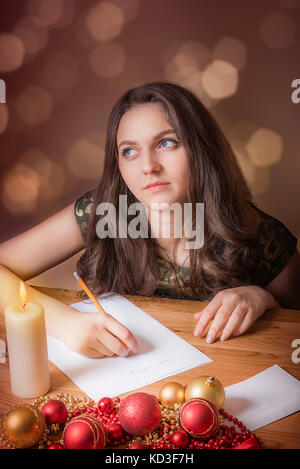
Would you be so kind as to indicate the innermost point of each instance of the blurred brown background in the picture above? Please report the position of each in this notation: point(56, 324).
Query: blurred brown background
point(65, 63)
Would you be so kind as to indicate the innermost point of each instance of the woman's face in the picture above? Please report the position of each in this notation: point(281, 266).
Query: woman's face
point(150, 152)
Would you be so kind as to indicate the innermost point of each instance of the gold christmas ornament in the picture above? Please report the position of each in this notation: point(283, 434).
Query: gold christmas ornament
point(22, 426)
point(207, 387)
point(170, 394)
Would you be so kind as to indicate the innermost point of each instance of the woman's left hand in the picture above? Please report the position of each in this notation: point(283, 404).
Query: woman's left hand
point(233, 311)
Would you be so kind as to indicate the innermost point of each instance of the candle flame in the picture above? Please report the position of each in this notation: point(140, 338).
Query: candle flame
point(23, 292)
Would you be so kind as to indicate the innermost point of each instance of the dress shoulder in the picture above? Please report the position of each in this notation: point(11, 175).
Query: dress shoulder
point(275, 245)
point(82, 211)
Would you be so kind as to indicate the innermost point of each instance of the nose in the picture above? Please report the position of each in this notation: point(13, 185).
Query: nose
point(150, 162)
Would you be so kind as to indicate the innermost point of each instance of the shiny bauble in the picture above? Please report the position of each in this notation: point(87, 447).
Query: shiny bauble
point(180, 439)
point(55, 411)
point(106, 405)
point(22, 426)
point(137, 445)
point(172, 393)
point(114, 432)
point(139, 413)
point(84, 432)
point(207, 387)
point(200, 418)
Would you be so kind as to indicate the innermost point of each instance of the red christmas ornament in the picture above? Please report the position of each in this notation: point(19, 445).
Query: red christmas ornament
point(55, 446)
point(137, 445)
point(84, 432)
point(139, 413)
point(180, 439)
point(106, 404)
point(54, 411)
point(114, 432)
point(199, 417)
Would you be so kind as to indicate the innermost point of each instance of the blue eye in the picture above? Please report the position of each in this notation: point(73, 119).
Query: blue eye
point(124, 152)
point(168, 140)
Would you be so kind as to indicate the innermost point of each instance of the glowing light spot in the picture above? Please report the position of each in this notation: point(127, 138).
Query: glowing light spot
point(61, 70)
point(4, 115)
point(129, 8)
point(231, 50)
point(67, 16)
point(34, 105)
point(105, 21)
point(51, 174)
point(85, 159)
point(265, 147)
point(20, 190)
point(33, 35)
point(101, 61)
point(220, 79)
point(277, 30)
point(46, 13)
point(12, 52)
point(247, 167)
point(192, 56)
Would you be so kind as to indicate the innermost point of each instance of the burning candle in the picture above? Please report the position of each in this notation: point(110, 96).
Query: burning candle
point(27, 347)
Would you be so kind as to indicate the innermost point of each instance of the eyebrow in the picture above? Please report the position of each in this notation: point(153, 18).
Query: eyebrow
point(160, 134)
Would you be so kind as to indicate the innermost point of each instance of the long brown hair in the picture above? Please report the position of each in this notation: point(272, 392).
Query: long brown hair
point(131, 266)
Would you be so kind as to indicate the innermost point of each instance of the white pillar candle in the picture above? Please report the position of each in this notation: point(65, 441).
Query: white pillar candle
point(27, 348)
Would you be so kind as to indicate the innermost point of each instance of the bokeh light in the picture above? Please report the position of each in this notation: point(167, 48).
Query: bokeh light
point(34, 105)
point(101, 62)
point(33, 35)
point(129, 8)
point(86, 157)
point(46, 13)
point(232, 51)
point(258, 178)
point(4, 116)
point(265, 147)
point(67, 16)
point(220, 79)
point(61, 70)
point(20, 189)
point(277, 30)
point(12, 52)
point(192, 56)
point(51, 174)
point(105, 21)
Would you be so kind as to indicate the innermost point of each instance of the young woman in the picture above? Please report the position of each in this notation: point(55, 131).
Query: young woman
point(163, 147)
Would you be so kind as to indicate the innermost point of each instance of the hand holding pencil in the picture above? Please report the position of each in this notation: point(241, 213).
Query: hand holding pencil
point(98, 334)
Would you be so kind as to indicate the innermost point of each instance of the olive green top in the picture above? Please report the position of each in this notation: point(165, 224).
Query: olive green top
point(274, 246)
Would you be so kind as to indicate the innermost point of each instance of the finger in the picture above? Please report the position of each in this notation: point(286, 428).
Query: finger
point(219, 322)
point(113, 343)
point(245, 324)
point(234, 321)
point(93, 353)
point(207, 314)
point(102, 349)
point(198, 314)
point(122, 333)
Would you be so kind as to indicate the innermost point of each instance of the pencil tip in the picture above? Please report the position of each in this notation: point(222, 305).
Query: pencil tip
point(76, 275)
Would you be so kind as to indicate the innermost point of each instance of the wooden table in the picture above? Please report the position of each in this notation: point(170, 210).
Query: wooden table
point(267, 342)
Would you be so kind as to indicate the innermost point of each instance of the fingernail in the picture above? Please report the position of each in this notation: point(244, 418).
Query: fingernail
point(195, 332)
point(209, 339)
point(223, 337)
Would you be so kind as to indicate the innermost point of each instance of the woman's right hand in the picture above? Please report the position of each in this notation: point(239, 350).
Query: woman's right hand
point(97, 335)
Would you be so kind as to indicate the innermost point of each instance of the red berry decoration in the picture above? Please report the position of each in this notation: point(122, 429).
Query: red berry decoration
point(55, 446)
point(137, 445)
point(199, 417)
point(106, 404)
point(84, 432)
point(114, 432)
point(54, 411)
point(180, 439)
point(139, 413)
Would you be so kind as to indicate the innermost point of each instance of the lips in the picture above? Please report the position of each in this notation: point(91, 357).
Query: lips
point(154, 184)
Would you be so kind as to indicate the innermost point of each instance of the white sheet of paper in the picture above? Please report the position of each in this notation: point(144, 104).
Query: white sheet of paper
point(264, 398)
point(161, 353)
